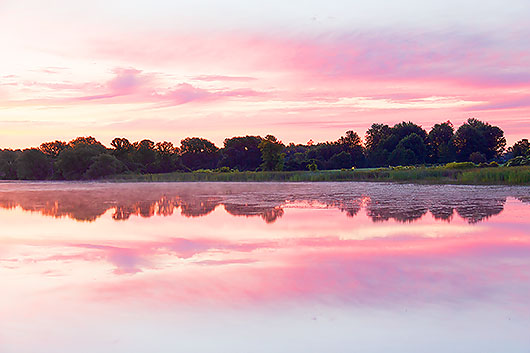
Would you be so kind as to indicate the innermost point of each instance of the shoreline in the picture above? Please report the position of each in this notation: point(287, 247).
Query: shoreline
point(422, 175)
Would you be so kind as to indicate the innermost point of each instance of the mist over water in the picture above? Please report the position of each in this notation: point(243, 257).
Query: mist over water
point(264, 267)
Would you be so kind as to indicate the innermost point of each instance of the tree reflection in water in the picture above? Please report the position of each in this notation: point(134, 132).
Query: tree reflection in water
point(382, 202)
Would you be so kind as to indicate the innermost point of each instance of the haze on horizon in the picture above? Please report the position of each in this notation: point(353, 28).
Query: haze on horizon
point(299, 70)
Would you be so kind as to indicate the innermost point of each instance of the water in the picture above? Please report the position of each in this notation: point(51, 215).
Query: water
point(263, 267)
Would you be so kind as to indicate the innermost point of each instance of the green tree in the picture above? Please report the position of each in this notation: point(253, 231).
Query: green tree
point(198, 153)
point(520, 148)
point(103, 165)
point(145, 155)
point(477, 136)
point(341, 160)
point(272, 153)
point(8, 165)
point(33, 164)
point(375, 135)
point(241, 153)
point(440, 140)
point(73, 162)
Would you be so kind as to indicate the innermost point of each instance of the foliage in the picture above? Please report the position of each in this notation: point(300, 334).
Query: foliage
point(312, 167)
point(517, 161)
point(403, 144)
point(8, 165)
point(515, 176)
point(198, 153)
point(73, 162)
point(477, 136)
point(242, 153)
point(271, 153)
point(105, 164)
point(520, 148)
point(477, 158)
point(52, 149)
point(459, 165)
point(33, 164)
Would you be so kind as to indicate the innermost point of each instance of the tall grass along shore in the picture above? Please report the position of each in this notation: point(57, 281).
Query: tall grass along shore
point(431, 175)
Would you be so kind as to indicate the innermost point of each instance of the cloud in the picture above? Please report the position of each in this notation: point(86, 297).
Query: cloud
point(223, 78)
point(507, 103)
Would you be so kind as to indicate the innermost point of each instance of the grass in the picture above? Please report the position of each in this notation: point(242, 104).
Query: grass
point(431, 175)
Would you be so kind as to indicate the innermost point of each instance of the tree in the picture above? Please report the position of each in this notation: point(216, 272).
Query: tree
point(52, 149)
point(272, 153)
point(410, 150)
point(351, 143)
point(145, 155)
point(88, 140)
point(198, 153)
point(477, 136)
point(166, 157)
point(375, 135)
point(73, 162)
point(121, 145)
point(520, 148)
point(8, 166)
point(33, 164)
point(103, 165)
point(341, 160)
point(241, 153)
point(440, 138)
point(377, 138)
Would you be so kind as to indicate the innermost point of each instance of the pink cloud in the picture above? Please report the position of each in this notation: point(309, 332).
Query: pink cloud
point(223, 78)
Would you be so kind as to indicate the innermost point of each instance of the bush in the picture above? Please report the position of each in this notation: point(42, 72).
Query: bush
point(312, 167)
point(517, 161)
point(477, 158)
point(460, 165)
point(493, 165)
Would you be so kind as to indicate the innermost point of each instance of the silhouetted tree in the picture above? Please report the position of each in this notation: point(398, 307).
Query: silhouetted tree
point(52, 149)
point(33, 164)
point(477, 136)
point(413, 143)
point(241, 153)
point(520, 148)
point(104, 165)
point(88, 140)
point(351, 143)
point(440, 139)
point(272, 153)
point(145, 155)
point(198, 153)
point(73, 162)
point(8, 165)
point(166, 157)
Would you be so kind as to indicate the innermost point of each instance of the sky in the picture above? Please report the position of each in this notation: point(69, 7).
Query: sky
point(299, 70)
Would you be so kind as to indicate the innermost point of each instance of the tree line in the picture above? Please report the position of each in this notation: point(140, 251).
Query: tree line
point(405, 143)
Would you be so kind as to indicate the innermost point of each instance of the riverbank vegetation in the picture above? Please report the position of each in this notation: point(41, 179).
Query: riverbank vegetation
point(443, 153)
point(429, 175)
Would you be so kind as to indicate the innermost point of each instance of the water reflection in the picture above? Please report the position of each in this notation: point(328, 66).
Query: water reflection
point(250, 264)
point(405, 203)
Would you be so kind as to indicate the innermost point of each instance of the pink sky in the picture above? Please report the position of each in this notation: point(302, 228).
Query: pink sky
point(72, 69)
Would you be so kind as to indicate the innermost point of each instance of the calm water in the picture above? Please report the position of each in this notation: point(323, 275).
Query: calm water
point(268, 267)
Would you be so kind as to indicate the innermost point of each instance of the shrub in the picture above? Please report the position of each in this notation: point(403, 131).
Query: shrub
point(312, 167)
point(517, 161)
point(460, 165)
point(477, 158)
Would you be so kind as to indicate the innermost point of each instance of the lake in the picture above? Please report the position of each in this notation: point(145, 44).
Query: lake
point(263, 267)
